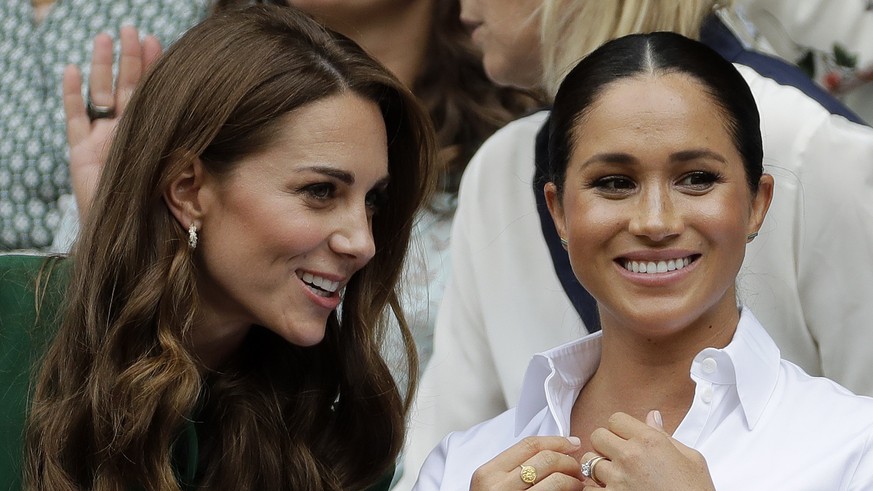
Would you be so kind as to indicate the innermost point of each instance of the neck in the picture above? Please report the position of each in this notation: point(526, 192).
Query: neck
point(639, 373)
point(397, 36)
point(219, 329)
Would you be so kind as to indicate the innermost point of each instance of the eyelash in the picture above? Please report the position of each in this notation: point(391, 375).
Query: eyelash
point(377, 199)
point(608, 184)
point(324, 191)
point(321, 191)
point(708, 178)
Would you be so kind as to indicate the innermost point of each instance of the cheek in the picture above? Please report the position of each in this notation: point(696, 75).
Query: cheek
point(593, 220)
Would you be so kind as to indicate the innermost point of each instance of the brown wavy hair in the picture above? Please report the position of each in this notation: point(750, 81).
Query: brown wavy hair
point(120, 384)
point(465, 106)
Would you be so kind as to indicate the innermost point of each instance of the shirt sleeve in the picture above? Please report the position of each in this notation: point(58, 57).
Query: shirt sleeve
point(836, 249)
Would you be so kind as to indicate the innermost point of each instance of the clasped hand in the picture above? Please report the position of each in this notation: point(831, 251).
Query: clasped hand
point(638, 456)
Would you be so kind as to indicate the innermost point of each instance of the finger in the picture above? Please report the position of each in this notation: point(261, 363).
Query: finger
point(100, 78)
point(598, 471)
point(129, 66)
point(626, 426)
point(654, 419)
point(151, 50)
point(549, 462)
point(78, 124)
point(559, 482)
point(525, 449)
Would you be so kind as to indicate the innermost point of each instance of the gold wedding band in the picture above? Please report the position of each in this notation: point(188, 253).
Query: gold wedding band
point(528, 474)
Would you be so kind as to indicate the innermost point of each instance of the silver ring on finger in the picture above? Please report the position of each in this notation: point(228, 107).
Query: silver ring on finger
point(97, 112)
point(588, 469)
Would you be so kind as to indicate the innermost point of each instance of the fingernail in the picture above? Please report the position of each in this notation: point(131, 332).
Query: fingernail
point(574, 440)
point(657, 415)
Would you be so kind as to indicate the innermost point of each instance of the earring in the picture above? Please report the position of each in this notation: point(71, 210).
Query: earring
point(192, 236)
point(564, 243)
point(751, 237)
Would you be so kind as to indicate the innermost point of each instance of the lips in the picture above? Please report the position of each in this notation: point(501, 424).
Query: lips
point(657, 266)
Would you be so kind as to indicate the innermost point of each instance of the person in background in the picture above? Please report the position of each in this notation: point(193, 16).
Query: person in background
point(656, 187)
point(219, 321)
point(512, 291)
point(831, 39)
point(38, 38)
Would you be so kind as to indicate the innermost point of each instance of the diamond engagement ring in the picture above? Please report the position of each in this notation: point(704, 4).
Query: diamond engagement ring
point(588, 469)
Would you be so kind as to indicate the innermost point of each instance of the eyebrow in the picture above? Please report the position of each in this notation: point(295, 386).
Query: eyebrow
point(341, 175)
point(681, 156)
point(346, 177)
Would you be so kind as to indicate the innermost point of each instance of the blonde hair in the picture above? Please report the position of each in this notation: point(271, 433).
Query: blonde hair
point(571, 29)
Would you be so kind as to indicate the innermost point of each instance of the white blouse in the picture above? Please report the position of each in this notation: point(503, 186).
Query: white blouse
point(760, 421)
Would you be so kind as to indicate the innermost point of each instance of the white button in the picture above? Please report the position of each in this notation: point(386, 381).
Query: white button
point(706, 395)
point(709, 365)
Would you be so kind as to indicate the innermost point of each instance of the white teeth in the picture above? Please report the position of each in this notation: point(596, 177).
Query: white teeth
point(652, 267)
point(323, 283)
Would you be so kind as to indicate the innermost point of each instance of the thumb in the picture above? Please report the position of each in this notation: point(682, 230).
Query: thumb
point(653, 419)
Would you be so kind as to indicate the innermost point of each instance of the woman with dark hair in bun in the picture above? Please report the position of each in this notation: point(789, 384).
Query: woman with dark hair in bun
point(656, 186)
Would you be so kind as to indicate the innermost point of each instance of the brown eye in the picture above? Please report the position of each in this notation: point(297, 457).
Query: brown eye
point(376, 200)
point(699, 180)
point(614, 184)
point(319, 191)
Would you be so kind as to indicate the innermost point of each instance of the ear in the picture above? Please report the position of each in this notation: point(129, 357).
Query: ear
point(761, 203)
point(184, 193)
point(556, 208)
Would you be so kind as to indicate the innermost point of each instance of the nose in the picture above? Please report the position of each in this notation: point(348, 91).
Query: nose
point(354, 237)
point(656, 216)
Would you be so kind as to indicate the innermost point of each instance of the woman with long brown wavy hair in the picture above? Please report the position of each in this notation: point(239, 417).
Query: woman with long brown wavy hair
point(226, 301)
point(424, 43)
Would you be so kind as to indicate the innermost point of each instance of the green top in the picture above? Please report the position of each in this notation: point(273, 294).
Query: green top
point(25, 331)
point(23, 338)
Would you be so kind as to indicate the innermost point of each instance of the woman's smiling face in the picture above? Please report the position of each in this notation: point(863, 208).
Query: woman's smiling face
point(287, 229)
point(656, 205)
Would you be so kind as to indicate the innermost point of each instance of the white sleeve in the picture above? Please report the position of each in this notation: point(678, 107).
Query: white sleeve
point(68, 226)
point(835, 262)
point(431, 476)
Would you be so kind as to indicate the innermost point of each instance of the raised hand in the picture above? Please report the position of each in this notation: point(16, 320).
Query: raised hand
point(90, 124)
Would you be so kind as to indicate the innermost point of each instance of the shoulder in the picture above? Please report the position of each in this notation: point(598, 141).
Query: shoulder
point(31, 287)
point(452, 463)
point(510, 146)
point(839, 416)
point(500, 175)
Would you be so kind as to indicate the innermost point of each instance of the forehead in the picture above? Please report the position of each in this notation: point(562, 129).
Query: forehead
point(345, 132)
point(653, 111)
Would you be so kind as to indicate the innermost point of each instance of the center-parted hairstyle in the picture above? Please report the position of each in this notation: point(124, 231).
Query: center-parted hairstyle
point(120, 383)
point(654, 54)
